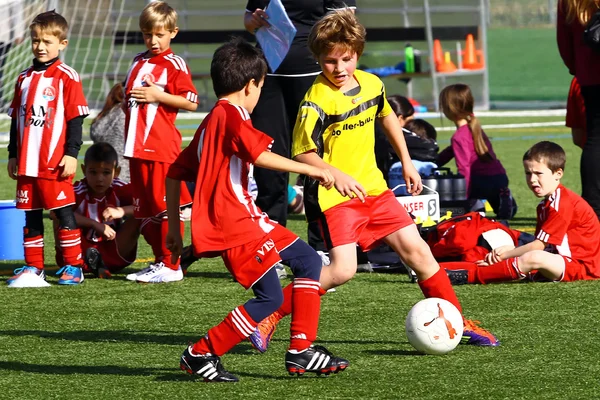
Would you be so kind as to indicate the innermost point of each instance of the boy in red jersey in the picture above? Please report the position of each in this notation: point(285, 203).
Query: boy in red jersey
point(567, 235)
point(227, 222)
point(47, 114)
point(158, 84)
point(109, 242)
point(335, 129)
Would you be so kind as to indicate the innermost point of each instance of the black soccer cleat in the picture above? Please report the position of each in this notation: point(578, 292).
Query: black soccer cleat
point(187, 258)
point(314, 359)
point(458, 276)
point(209, 367)
point(93, 259)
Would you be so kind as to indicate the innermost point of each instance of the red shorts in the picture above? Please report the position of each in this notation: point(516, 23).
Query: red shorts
point(149, 190)
point(575, 107)
point(249, 262)
point(113, 261)
point(363, 223)
point(48, 194)
point(574, 271)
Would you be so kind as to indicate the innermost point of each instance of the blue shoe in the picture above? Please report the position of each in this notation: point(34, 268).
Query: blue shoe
point(70, 275)
point(26, 270)
point(475, 335)
point(261, 337)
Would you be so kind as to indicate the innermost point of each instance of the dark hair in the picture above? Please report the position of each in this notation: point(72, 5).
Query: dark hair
point(234, 65)
point(114, 98)
point(548, 153)
point(401, 106)
point(52, 22)
point(101, 152)
point(421, 128)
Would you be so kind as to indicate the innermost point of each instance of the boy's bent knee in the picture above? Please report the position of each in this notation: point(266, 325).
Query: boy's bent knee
point(302, 260)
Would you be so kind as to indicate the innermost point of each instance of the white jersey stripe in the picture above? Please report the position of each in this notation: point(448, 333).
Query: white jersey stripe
point(59, 120)
point(174, 63)
point(69, 71)
point(238, 315)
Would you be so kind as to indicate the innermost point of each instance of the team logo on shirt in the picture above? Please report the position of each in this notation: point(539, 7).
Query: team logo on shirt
point(49, 93)
point(148, 78)
point(356, 100)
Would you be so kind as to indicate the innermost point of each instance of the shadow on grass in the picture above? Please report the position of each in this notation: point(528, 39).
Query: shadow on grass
point(187, 377)
point(78, 369)
point(393, 353)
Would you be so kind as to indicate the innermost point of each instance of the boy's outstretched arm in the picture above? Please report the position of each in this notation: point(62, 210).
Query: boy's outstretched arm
point(505, 252)
point(152, 94)
point(275, 162)
point(393, 131)
point(344, 183)
point(173, 239)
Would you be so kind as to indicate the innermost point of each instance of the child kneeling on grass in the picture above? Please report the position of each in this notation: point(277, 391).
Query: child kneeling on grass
point(335, 130)
point(227, 222)
point(567, 236)
point(102, 200)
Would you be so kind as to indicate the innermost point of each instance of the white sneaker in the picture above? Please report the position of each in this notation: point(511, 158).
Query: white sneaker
point(28, 280)
point(134, 276)
point(159, 272)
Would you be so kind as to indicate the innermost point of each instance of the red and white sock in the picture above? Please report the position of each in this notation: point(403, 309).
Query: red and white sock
point(237, 326)
point(306, 307)
point(439, 285)
point(69, 241)
point(504, 271)
point(33, 247)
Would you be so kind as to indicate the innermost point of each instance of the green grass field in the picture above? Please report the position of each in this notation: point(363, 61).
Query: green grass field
point(114, 338)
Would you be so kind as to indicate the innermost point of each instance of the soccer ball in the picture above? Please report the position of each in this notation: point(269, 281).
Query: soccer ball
point(434, 326)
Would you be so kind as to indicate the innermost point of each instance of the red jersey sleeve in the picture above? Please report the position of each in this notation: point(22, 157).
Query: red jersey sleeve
point(74, 101)
point(552, 227)
point(182, 85)
point(248, 142)
point(124, 192)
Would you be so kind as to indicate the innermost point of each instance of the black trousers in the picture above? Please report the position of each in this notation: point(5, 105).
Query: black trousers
point(275, 114)
point(590, 157)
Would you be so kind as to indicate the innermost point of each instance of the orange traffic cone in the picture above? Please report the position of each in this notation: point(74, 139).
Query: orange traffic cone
point(447, 65)
point(438, 55)
point(470, 59)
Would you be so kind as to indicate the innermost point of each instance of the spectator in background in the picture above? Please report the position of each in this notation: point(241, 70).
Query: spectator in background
point(283, 90)
point(10, 34)
point(109, 127)
point(584, 63)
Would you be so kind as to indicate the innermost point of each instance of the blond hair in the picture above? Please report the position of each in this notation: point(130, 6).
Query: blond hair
point(582, 10)
point(51, 22)
point(338, 30)
point(456, 102)
point(156, 15)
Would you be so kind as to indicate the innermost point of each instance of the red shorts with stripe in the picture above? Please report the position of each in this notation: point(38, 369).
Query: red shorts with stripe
point(149, 189)
point(574, 271)
point(249, 262)
point(48, 194)
point(363, 223)
point(109, 250)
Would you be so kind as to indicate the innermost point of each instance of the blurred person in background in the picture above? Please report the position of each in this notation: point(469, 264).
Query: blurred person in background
point(11, 12)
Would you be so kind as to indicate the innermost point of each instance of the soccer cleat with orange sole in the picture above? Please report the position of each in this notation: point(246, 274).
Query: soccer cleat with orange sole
point(475, 335)
point(261, 337)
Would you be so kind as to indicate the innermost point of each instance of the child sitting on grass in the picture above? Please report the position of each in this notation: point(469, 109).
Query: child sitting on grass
point(567, 236)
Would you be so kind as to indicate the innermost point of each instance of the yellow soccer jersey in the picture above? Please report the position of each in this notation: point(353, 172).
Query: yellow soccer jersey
point(340, 127)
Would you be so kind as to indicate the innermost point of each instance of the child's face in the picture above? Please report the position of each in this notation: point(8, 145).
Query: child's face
point(540, 179)
point(45, 46)
point(338, 67)
point(99, 176)
point(252, 94)
point(159, 40)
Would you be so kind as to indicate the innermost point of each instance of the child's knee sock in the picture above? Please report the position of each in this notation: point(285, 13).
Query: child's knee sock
point(504, 271)
point(69, 241)
point(33, 248)
point(439, 285)
point(288, 301)
point(237, 326)
point(306, 307)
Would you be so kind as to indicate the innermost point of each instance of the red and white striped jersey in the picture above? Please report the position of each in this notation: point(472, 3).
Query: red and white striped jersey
point(118, 195)
point(44, 102)
point(150, 132)
point(567, 223)
point(220, 159)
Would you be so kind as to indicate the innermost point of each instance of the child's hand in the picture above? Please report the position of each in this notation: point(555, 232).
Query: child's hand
point(174, 244)
point(496, 255)
point(106, 231)
point(112, 213)
point(69, 165)
point(146, 94)
point(348, 186)
point(323, 176)
point(12, 168)
point(413, 179)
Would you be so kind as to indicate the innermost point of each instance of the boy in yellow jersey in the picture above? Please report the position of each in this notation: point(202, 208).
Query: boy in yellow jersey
point(335, 130)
